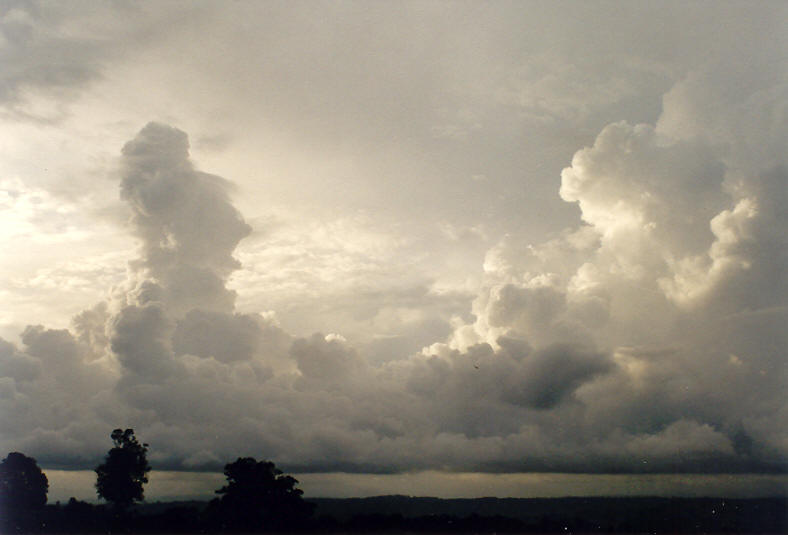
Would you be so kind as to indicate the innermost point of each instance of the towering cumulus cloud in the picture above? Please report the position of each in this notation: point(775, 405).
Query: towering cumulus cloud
point(678, 274)
point(651, 338)
point(177, 302)
point(186, 223)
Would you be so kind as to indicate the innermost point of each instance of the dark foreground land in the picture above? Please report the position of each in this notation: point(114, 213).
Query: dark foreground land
point(662, 515)
point(433, 515)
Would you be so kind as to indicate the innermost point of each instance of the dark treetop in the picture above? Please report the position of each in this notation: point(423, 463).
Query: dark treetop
point(124, 471)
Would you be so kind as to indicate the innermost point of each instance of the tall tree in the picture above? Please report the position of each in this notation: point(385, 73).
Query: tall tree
point(124, 471)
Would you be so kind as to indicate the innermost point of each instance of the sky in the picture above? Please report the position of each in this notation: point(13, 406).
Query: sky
point(496, 247)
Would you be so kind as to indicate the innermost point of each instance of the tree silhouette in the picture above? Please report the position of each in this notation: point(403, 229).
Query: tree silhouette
point(22, 483)
point(124, 471)
point(258, 496)
point(23, 491)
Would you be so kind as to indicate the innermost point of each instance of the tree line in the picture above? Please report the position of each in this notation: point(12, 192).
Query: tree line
point(257, 496)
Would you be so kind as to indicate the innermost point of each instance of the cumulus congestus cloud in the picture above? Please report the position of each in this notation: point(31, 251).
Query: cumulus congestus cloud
point(649, 338)
point(680, 262)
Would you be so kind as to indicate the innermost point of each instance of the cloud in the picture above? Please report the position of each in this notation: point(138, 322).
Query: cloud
point(184, 218)
point(356, 275)
point(35, 56)
point(679, 263)
point(140, 337)
point(222, 336)
point(53, 53)
point(327, 359)
point(547, 377)
point(17, 366)
point(46, 64)
point(610, 344)
point(550, 91)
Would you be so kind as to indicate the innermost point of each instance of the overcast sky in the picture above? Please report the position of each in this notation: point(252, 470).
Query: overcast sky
point(392, 237)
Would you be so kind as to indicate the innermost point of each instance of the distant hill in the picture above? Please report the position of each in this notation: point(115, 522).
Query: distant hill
point(155, 508)
point(536, 515)
point(589, 514)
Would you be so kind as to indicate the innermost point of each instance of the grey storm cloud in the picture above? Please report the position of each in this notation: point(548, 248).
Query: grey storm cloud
point(141, 340)
point(327, 359)
point(222, 336)
point(650, 338)
point(548, 376)
point(34, 55)
point(46, 61)
point(17, 366)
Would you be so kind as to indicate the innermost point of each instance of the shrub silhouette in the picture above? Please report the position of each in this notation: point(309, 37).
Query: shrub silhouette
point(124, 471)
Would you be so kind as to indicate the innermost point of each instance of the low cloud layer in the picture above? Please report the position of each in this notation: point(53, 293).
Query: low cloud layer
point(648, 339)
